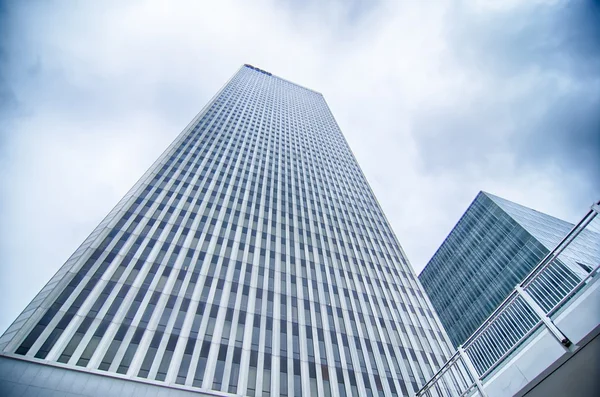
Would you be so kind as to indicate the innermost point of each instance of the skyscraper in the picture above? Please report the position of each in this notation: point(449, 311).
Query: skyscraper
point(252, 258)
point(494, 245)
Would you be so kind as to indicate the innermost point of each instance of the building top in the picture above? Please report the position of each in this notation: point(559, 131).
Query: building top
point(259, 70)
point(547, 229)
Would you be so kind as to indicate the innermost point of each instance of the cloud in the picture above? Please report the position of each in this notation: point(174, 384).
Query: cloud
point(537, 83)
point(437, 101)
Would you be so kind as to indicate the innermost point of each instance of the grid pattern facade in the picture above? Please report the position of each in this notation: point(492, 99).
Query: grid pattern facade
point(252, 259)
point(491, 249)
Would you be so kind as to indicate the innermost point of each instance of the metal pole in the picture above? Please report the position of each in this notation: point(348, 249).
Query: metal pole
point(472, 370)
point(560, 337)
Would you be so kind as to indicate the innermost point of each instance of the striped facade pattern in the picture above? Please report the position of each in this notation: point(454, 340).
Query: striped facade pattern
point(252, 259)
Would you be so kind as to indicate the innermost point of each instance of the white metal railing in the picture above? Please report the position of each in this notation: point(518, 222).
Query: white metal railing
point(528, 308)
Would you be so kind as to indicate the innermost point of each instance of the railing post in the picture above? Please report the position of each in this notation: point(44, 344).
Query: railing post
point(596, 208)
point(560, 337)
point(472, 370)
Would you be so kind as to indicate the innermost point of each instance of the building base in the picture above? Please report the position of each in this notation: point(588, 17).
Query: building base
point(20, 377)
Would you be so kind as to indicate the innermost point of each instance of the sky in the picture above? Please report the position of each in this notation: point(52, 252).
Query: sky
point(437, 99)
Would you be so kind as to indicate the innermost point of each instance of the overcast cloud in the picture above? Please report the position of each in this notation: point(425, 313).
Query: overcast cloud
point(437, 99)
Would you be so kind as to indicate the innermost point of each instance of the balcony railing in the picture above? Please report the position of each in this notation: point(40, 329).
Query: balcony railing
point(532, 305)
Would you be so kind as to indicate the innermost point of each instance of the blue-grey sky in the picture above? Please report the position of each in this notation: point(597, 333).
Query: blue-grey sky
point(437, 99)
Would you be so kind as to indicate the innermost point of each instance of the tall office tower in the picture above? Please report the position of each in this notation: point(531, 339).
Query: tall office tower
point(494, 245)
point(252, 258)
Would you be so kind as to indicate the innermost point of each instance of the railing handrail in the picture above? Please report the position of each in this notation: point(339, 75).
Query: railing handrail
point(440, 371)
point(569, 295)
point(527, 280)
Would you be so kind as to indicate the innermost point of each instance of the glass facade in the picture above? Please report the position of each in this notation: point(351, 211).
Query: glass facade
point(495, 244)
point(252, 258)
